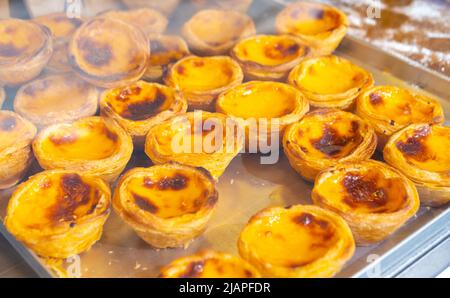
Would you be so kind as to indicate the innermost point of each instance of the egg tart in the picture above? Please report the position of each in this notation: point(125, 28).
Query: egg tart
point(330, 81)
point(422, 153)
point(373, 198)
point(319, 26)
point(25, 49)
point(200, 139)
point(2, 96)
point(59, 213)
point(150, 21)
point(298, 241)
point(389, 109)
point(269, 57)
point(55, 99)
point(209, 264)
point(202, 79)
point(325, 137)
point(167, 205)
point(215, 32)
point(141, 105)
point(268, 101)
point(164, 6)
point(16, 135)
point(62, 28)
point(93, 145)
point(166, 50)
point(108, 52)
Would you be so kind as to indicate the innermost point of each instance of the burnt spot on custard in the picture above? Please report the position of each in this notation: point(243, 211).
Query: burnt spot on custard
point(10, 50)
point(414, 146)
point(144, 109)
point(280, 50)
point(332, 142)
point(193, 269)
point(64, 140)
point(375, 98)
point(145, 204)
point(307, 219)
point(8, 123)
point(124, 95)
point(95, 53)
point(198, 63)
point(316, 13)
point(110, 134)
point(181, 70)
point(176, 182)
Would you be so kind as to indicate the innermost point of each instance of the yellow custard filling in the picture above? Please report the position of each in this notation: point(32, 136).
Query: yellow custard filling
point(259, 100)
point(290, 238)
point(167, 49)
point(400, 106)
point(269, 50)
point(203, 73)
point(169, 193)
point(330, 75)
point(91, 140)
point(59, 24)
point(19, 39)
point(13, 129)
point(427, 148)
point(140, 101)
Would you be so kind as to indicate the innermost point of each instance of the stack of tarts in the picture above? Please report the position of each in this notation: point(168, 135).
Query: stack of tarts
point(150, 86)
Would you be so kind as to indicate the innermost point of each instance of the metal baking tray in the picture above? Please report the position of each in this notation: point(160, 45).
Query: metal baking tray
point(247, 187)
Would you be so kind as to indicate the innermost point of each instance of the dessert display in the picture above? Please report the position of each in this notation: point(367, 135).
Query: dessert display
point(330, 81)
point(167, 205)
point(389, 109)
point(59, 213)
point(164, 6)
point(16, 135)
point(56, 98)
point(271, 101)
point(326, 137)
point(165, 50)
point(373, 198)
point(209, 264)
point(202, 79)
point(199, 139)
point(25, 49)
point(214, 32)
point(422, 153)
point(140, 106)
point(319, 26)
point(62, 29)
point(108, 52)
point(94, 146)
point(150, 21)
point(297, 241)
point(269, 57)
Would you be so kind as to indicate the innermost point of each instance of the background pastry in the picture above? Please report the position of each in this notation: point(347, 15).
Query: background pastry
point(165, 6)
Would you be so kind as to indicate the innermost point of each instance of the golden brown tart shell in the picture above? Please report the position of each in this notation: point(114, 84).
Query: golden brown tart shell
point(209, 264)
point(297, 241)
point(373, 198)
point(167, 205)
point(25, 49)
point(325, 137)
point(422, 153)
point(214, 32)
point(269, 57)
point(199, 139)
point(16, 135)
point(95, 146)
point(202, 79)
point(164, 6)
point(141, 105)
point(330, 81)
point(55, 99)
point(59, 213)
point(319, 26)
point(108, 52)
point(389, 109)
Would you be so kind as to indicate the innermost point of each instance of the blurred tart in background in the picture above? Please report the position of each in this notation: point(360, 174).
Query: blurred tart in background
point(25, 49)
point(269, 57)
point(330, 81)
point(59, 213)
point(56, 99)
point(422, 153)
point(373, 198)
point(215, 32)
point(165, 6)
point(95, 146)
point(2, 96)
point(237, 5)
point(16, 135)
point(326, 137)
point(141, 105)
point(319, 26)
point(167, 205)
